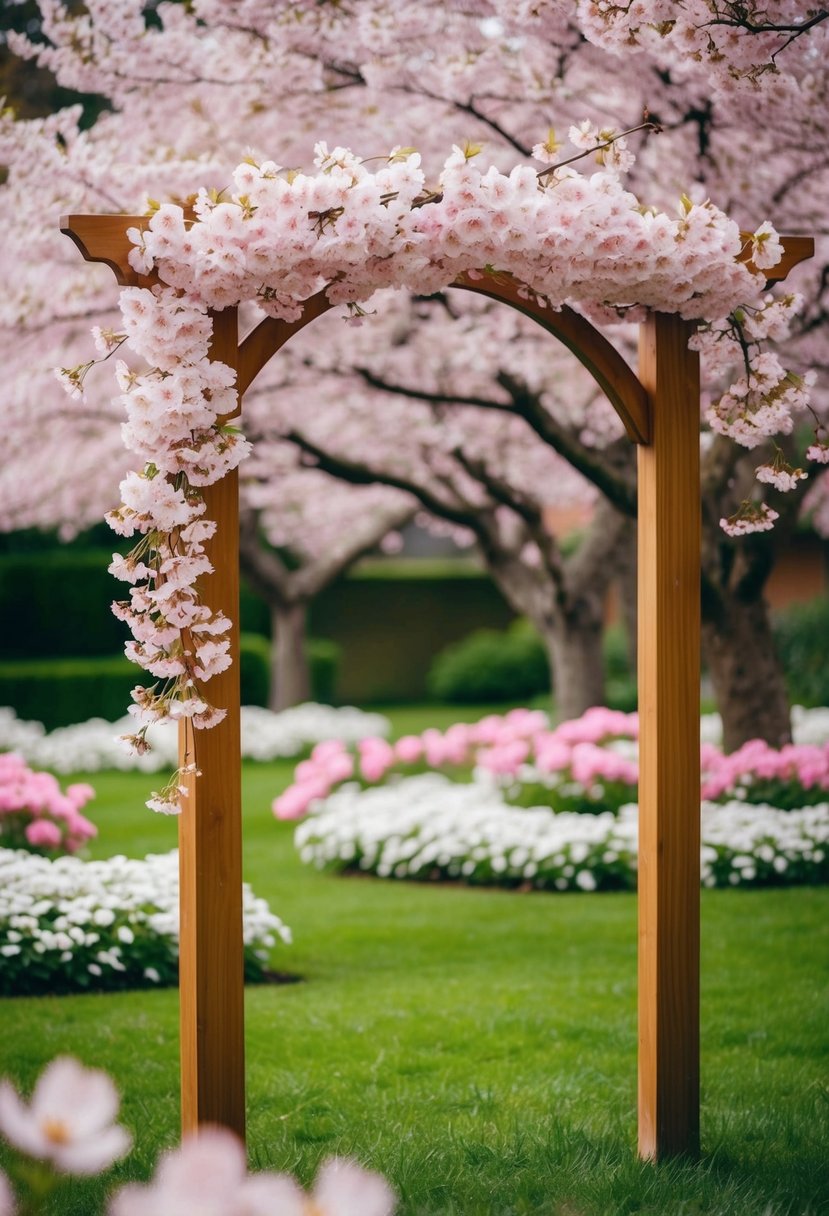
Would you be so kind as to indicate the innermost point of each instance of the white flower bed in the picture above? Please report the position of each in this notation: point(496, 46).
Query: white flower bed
point(94, 745)
point(70, 925)
point(431, 827)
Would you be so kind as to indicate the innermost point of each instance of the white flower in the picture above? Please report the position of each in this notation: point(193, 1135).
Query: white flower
point(69, 1121)
point(91, 746)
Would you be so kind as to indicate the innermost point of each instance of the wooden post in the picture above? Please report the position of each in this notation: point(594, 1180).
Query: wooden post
point(669, 765)
point(211, 967)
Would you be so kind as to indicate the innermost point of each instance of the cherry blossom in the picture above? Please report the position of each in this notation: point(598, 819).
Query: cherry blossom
point(69, 1121)
point(207, 1176)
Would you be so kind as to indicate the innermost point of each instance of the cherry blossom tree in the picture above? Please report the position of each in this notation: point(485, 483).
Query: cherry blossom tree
point(728, 84)
point(299, 532)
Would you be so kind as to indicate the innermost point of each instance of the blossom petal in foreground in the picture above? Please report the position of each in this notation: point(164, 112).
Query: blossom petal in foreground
point(207, 1176)
point(69, 1121)
point(343, 1188)
point(7, 1207)
point(201, 1178)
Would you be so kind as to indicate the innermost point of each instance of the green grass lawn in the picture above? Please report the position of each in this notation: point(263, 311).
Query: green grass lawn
point(478, 1047)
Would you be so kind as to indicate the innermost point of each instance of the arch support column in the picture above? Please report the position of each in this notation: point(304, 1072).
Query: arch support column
point(211, 950)
point(669, 765)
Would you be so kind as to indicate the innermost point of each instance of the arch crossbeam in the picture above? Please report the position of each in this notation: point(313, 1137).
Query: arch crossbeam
point(660, 411)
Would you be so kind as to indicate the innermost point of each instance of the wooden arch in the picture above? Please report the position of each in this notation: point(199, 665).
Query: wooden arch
point(660, 411)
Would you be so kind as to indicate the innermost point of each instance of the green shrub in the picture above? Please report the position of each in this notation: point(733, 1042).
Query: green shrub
point(511, 665)
point(389, 617)
point(58, 692)
point(620, 679)
point(801, 633)
point(392, 617)
point(57, 603)
point(254, 668)
point(324, 661)
point(490, 665)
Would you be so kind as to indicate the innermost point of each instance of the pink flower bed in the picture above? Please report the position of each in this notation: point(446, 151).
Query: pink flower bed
point(588, 764)
point(35, 814)
point(794, 775)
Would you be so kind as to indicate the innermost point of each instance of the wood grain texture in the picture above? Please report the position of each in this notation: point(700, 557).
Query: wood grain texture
point(669, 763)
point(211, 969)
point(270, 335)
point(103, 238)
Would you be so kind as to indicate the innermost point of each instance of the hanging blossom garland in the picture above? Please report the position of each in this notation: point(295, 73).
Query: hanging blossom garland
point(174, 424)
point(282, 236)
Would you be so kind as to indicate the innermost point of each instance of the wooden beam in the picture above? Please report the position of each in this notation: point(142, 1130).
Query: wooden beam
point(211, 967)
point(103, 238)
point(796, 249)
point(669, 756)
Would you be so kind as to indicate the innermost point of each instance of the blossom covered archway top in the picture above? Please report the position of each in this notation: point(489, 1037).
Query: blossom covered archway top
point(296, 244)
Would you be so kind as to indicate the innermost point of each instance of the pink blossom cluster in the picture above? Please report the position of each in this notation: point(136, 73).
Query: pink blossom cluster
point(500, 745)
point(280, 236)
point(740, 46)
point(569, 237)
point(751, 517)
point(36, 814)
point(794, 767)
point(174, 424)
point(592, 752)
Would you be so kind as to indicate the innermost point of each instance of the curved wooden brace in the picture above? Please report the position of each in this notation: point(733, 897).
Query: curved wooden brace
point(796, 249)
point(270, 335)
point(607, 367)
point(103, 238)
point(610, 371)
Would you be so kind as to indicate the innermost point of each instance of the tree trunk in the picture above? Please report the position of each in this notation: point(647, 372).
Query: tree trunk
point(290, 673)
point(574, 645)
point(747, 677)
point(627, 590)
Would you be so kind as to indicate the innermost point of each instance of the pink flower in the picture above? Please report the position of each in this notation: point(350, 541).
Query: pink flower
point(80, 793)
point(69, 1121)
point(43, 834)
point(376, 758)
point(206, 1176)
point(408, 749)
point(297, 799)
point(343, 1188)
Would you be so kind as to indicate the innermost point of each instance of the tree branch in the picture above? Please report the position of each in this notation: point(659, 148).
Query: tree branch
point(593, 464)
point(361, 475)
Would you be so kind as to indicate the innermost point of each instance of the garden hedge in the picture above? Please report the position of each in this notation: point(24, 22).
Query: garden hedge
point(59, 692)
point(801, 634)
point(492, 665)
point(392, 616)
point(389, 618)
